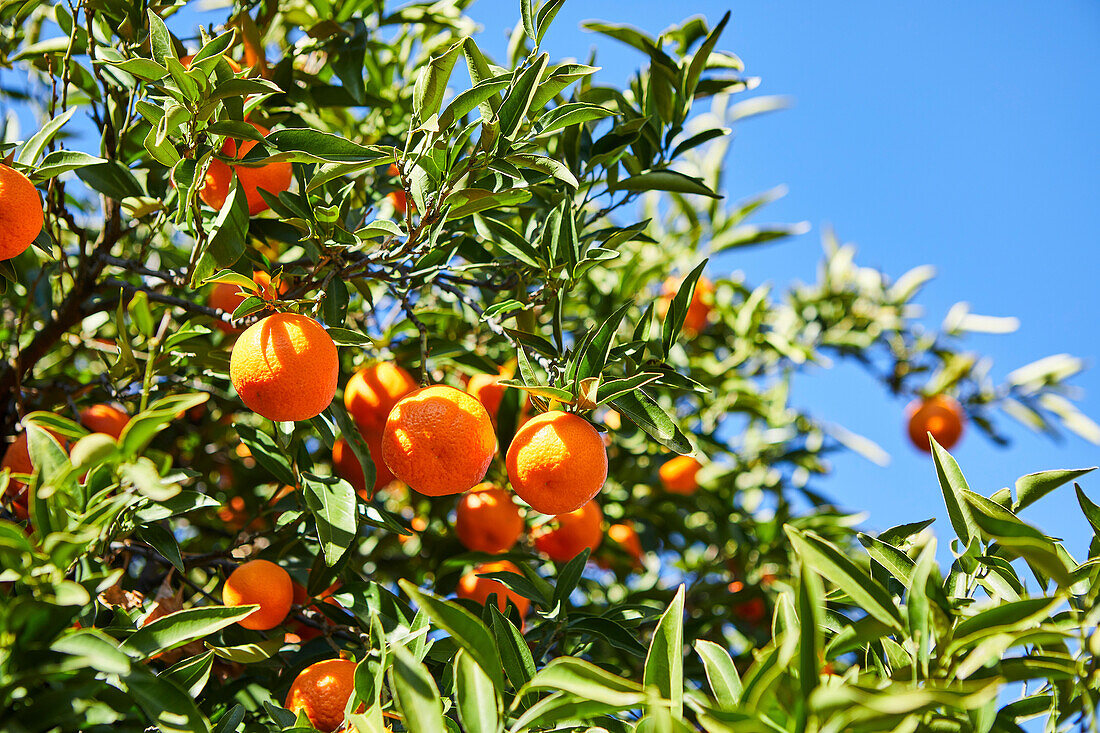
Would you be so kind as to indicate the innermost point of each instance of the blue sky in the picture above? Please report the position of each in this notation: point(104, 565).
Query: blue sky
point(957, 134)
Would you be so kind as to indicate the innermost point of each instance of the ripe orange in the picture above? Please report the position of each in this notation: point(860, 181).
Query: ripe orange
point(21, 215)
point(398, 198)
point(678, 475)
point(346, 465)
point(626, 537)
point(226, 297)
point(285, 367)
point(104, 419)
point(439, 441)
point(322, 690)
point(557, 462)
point(273, 177)
point(479, 589)
point(563, 537)
point(940, 415)
point(373, 391)
point(699, 309)
point(487, 389)
point(487, 520)
point(262, 582)
point(17, 457)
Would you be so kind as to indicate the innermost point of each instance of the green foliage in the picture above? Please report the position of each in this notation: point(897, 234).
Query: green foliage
point(533, 220)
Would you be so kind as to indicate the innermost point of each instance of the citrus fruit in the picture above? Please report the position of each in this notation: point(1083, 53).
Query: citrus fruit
point(346, 465)
point(322, 691)
point(262, 582)
point(679, 475)
point(557, 462)
point(272, 177)
point(227, 296)
point(285, 367)
point(478, 589)
point(21, 215)
point(104, 419)
point(439, 441)
point(699, 309)
point(373, 391)
point(626, 537)
point(940, 415)
point(488, 390)
point(563, 537)
point(487, 520)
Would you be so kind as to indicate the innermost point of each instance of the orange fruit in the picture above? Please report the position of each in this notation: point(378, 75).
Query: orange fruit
point(563, 537)
point(322, 691)
point(17, 457)
point(626, 537)
point(398, 198)
point(235, 514)
point(262, 582)
point(557, 462)
point(346, 465)
point(21, 215)
point(226, 297)
point(487, 520)
point(678, 475)
point(272, 177)
point(699, 309)
point(487, 389)
point(940, 415)
point(439, 441)
point(285, 367)
point(477, 589)
point(373, 391)
point(104, 419)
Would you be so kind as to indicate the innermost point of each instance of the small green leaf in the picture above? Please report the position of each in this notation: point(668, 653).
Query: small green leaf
point(478, 701)
point(332, 503)
point(664, 665)
point(666, 180)
point(725, 683)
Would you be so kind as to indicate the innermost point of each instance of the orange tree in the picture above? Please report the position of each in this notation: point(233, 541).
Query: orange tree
point(545, 239)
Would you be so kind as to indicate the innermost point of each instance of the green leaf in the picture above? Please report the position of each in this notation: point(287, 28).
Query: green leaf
point(60, 161)
point(699, 60)
point(415, 693)
point(1017, 536)
point(896, 562)
point(95, 650)
point(644, 412)
point(431, 83)
point(463, 103)
point(678, 308)
point(545, 17)
point(28, 154)
point(594, 358)
point(164, 542)
point(515, 655)
point(160, 40)
point(513, 110)
point(827, 559)
point(1034, 486)
point(1090, 510)
point(191, 674)
point(181, 627)
point(332, 503)
point(587, 681)
point(664, 665)
point(567, 115)
point(469, 201)
point(112, 179)
point(224, 244)
point(811, 612)
point(309, 146)
point(952, 484)
point(553, 168)
point(466, 629)
point(267, 453)
point(478, 701)
point(665, 180)
point(725, 683)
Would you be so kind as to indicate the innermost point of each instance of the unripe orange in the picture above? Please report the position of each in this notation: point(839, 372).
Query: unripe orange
point(322, 691)
point(104, 419)
point(487, 520)
point(21, 216)
point(557, 462)
point(373, 391)
point(940, 415)
point(262, 582)
point(477, 589)
point(439, 441)
point(285, 367)
point(679, 475)
point(563, 537)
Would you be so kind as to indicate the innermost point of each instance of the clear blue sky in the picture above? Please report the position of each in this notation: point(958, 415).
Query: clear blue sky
point(958, 134)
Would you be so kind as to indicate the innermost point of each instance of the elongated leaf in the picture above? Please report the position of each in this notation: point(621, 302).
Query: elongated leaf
point(431, 84)
point(644, 412)
point(896, 562)
point(725, 683)
point(332, 502)
point(415, 693)
point(678, 308)
point(666, 180)
point(181, 627)
point(587, 681)
point(478, 701)
point(513, 110)
point(28, 154)
point(1034, 486)
point(952, 484)
point(664, 665)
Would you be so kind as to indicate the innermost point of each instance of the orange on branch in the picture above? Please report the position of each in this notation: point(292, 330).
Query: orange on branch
point(347, 466)
point(487, 389)
point(439, 441)
point(487, 520)
point(104, 419)
point(699, 309)
point(322, 691)
point(373, 391)
point(563, 537)
point(557, 462)
point(262, 582)
point(679, 475)
point(227, 297)
point(21, 216)
point(474, 588)
point(285, 367)
point(626, 537)
point(940, 415)
point(271, 177)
